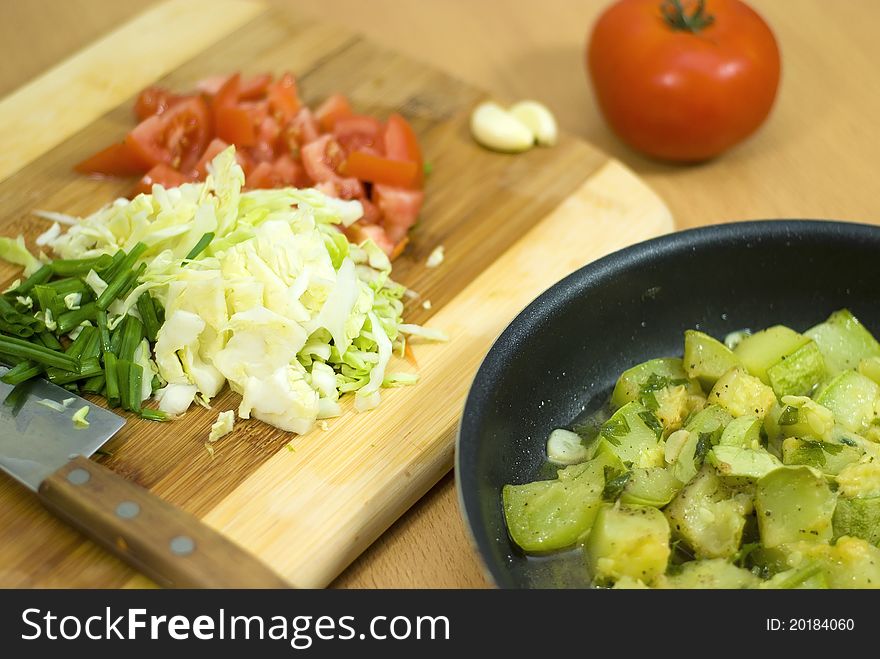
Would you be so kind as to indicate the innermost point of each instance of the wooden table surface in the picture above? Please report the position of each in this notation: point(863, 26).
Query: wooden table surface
point(817, 156)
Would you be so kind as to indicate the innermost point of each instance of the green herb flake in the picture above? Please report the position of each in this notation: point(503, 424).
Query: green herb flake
point(789, 416)
point(652, 422)
point(615, 481)
point(614, 429)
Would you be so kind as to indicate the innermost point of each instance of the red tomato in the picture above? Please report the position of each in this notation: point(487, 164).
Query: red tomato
point(153, 100)
point(302, 130)
point(683, 84)
point(322, 159)
point(376, 169)
point(254, 88)
point(235, 125)
point(359, 232)
point(177, 137)
point(215, 147)
point(161, 174)
point(400, 209)
point(115, 160)
point(359, 132)
point(283, 98)
point(400, 140)
point(332, 110)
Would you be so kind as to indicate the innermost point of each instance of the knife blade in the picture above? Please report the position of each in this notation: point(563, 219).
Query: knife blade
point(42, 448)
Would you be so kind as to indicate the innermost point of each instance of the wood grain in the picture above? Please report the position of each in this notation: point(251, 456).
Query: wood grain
point(97, 81)
point(174, 548)
point(310, 510)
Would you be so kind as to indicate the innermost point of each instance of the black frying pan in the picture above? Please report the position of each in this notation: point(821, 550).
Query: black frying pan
point(563, 353)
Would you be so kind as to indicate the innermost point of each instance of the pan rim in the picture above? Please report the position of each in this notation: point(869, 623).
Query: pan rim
point(574, 285)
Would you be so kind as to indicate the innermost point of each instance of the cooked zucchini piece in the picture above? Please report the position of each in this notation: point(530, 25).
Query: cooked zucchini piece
point(738, 462)
point(761, 350)
point(859, 518)
point(811, 575)
point(654, 486)
point(794, 503)
point(651, 376)
point(744, 432)
point(627, 541)
point(843, 342)
point(860, 479)
point(632, 434)
point(709, 516)
point(674, 405)
point(712, 573)
point(548, 515)
point(870, 368)
point(800, 416)
point(742, 394)
point(686, 452)
point(710, 419)
point(852, 398)
point(848, 563)
point(707, 359)
point(797, 374)
point(828, 457)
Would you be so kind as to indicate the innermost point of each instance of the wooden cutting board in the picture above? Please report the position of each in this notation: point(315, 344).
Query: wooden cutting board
point(511, 226)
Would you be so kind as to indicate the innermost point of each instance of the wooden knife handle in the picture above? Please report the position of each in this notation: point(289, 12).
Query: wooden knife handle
point(167, 544)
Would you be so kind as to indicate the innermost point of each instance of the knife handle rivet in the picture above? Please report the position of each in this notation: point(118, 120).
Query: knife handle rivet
point(78, 476)
point(128, 510)
point(182, 545)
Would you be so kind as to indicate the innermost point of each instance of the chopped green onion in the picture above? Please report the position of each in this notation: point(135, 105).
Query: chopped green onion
point(200, 246)
point(132, 335)
point(70, 319)
point(89, 368)
point(22, 372)
point(39, 277)
point(115, 288)
point(50, 341)
point(123, 369)
point(40, 354)
point(72, 267)
point(94, 384)
point(103, 331)
point(67, 286)
point(148, 315)
point(153, 415)
point(17, 397)
point(135, 377)
point(111, 270)
point(111, 370)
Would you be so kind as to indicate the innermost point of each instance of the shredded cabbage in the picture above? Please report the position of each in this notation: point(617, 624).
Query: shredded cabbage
point(279, 305)
point(15, 251)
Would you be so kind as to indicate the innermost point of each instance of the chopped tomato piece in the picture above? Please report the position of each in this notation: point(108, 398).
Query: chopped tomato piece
point(254, 88)
point(177, 137)
point(400, 209)
point(283, 98)
point(367, 167)
point(359, 232)
point(401, 143)
point(284, 172)
point(153, 100)
point(227, 95)
point(302, 130)
point(161, 174)
point(115, 160)
point(211, 85)
point(235, 125)
point(333, 109)
point(359, 133)
point(215, 147)
point(322, 159)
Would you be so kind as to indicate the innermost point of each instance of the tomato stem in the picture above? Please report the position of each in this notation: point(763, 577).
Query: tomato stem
point(678, 19)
